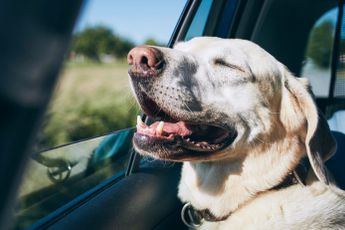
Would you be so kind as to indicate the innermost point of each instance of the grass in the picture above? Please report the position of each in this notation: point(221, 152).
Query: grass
point(91, 99)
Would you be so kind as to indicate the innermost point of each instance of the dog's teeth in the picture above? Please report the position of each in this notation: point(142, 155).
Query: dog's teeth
point(159, 129)
point(140, 123)
point(216, 146)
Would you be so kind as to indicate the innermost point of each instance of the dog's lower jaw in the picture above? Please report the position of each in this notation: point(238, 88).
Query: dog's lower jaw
point(226, 186)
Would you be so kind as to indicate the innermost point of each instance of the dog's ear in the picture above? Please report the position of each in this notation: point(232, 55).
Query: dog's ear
point(299, 111)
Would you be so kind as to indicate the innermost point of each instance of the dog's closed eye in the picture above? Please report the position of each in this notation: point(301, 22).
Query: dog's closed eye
point(222, 62)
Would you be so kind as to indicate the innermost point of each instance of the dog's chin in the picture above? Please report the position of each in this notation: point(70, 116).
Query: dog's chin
point(177, 148)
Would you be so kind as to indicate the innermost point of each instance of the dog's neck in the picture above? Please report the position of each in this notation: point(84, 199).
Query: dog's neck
point(224, 186)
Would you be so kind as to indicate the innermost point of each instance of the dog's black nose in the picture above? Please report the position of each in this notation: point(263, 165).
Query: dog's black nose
point(146, 61)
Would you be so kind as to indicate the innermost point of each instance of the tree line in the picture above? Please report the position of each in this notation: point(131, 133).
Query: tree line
point(93, 42)
point(320, 44)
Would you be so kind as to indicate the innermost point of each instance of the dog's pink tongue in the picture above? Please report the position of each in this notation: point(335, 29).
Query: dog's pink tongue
point(179, 128)
point(160, 128)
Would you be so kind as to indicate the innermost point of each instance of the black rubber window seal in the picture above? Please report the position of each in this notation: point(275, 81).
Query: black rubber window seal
point(336, 51)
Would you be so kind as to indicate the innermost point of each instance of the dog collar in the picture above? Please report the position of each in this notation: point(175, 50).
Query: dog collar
point(297, 176)
point(194, 218)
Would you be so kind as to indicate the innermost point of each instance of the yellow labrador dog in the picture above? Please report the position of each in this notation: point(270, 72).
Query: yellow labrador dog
point(241, 123)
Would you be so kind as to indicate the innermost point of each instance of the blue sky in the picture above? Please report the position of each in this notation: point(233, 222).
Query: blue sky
point(136, 20)
point(329, 16)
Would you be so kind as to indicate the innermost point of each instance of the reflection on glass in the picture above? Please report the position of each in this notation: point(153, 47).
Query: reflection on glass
point(318, 54)
point(57, 176)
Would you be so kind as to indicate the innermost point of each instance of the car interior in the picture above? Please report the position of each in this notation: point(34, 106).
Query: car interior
point(143, 194)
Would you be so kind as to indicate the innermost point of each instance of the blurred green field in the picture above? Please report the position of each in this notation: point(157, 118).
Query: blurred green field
point(91, 99)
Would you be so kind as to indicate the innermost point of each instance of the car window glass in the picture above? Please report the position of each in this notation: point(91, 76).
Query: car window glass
point(57, 176)
point(197, 26)
point(72, 154)
point(318, 53)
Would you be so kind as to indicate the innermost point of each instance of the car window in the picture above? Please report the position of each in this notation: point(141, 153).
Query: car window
point(86, 135)
point(198, 24)
point(317, 64)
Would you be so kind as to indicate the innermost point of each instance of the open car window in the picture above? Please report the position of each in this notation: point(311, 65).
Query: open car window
point(87, 130)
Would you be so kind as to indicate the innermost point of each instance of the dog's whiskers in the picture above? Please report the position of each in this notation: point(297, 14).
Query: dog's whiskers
point(275, 113)
point(157, 112)
point(187, 106)
point(256, 138)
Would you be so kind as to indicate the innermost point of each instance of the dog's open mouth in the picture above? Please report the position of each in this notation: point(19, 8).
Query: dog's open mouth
point(176, 136)
point(188, 136)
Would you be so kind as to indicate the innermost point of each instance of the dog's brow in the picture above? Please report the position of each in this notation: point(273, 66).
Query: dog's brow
point(219, 61)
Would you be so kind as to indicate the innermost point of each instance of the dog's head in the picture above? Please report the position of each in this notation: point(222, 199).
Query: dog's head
point(218, 98)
